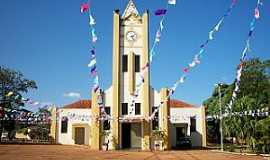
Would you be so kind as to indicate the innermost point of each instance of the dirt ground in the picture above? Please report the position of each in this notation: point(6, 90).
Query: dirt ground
point(58, 152)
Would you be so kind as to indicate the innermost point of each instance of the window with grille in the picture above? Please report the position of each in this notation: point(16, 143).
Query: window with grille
point(137, 108)
point(125, 63)
point(106, 124)
point(137, 63)
point(193, 124)
point(64, 124)
point(155, 121)
point(124, 108)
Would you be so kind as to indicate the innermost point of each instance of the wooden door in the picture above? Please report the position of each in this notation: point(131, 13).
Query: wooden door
point(79, 135)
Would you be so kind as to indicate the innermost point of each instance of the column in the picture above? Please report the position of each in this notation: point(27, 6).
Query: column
point(165, 122)
point(116, 80)
point(146, 87)
point(95, 122)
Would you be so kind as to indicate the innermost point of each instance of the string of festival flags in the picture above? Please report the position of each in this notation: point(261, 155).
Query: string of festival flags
point(139, 83)
point(244, 54)
point(196, 60)
point(28, 101)
point(85, 8)
point(263, 112)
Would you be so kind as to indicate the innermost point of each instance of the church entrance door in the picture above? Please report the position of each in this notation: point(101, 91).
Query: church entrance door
point(126, 141)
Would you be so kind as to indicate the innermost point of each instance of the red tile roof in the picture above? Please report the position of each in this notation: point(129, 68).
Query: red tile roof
point(179, 104)
point(86, 104)
point(81, 104)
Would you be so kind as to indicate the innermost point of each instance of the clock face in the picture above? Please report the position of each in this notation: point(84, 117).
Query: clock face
point(131, 36)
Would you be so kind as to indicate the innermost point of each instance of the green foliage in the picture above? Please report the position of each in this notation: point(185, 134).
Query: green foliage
point(12, 81)
point(254, 94)
point(158, 134)
point(40, 132)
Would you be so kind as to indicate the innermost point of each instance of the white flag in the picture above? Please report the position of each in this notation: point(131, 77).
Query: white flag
point(161, 25)
point(92, 62)
point(92, 20)
point(173, 2)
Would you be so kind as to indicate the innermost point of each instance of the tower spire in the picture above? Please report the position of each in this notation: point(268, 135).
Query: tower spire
point(130, 9)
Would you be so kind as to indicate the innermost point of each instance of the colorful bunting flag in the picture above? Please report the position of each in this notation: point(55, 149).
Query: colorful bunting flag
point(93, 69)
point(91, 20)
point(161, 25)
point(84, 7)
point(158, 35)
point(182, 79)
point(172, 2)
point(186, 70)
point(160, 12)
point(257, 13)
point(243, 57)
point(92, 63)
point(196, 59)
point(94, 36)
point(9, 94)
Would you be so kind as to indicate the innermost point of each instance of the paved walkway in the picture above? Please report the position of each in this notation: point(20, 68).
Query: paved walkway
point(58, 152)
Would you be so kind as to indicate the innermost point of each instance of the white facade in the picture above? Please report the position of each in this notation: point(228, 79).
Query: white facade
point(75, 118)
point(180, 117)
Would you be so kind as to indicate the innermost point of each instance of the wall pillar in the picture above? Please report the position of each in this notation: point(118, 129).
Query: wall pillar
point(53, 128)
point(146, 145)
point(203, 126)
point(116, 80)
point(95, 122)
point(165, 122)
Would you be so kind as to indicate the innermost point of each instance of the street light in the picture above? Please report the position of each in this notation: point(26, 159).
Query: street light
point(220, 115)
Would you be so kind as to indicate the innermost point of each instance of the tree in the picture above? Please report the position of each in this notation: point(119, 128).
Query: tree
point(12, 82)
point(254, 94)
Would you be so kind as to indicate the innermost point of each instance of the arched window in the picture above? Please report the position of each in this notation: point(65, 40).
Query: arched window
point(64, 124)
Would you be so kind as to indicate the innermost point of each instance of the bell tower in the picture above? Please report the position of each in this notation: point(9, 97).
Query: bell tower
point(130, 53)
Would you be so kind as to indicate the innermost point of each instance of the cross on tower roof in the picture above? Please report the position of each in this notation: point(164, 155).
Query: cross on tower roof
point(130, 9)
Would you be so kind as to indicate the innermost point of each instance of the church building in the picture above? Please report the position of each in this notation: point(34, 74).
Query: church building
point(130, 127)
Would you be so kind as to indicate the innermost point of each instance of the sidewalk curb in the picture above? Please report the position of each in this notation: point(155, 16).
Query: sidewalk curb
point(245, 154)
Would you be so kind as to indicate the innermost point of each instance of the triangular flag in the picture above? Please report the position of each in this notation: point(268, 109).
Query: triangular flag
point(92, 20)
point(160, 12)
point(196, 59)
point(9, 94)
point(192, 64)
point(93, 62)
point(257, 13)
point(211, 35)
point(161, 25)
point(93, 54)
point(158, 35)
point(185, 70)
point(173, 2)
point(182, 79)
point(84, 7)
point(94, 36)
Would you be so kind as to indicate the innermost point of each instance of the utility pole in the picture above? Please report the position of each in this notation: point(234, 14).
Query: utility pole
point(221, 117)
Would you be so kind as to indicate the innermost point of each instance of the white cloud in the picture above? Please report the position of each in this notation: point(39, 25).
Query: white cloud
point(72, 95)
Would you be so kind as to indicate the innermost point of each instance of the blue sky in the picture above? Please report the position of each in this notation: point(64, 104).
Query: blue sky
point(48, 41)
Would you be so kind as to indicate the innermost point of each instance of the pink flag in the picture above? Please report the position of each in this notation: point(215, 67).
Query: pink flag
point(84, 7)
point(257, 13)
point(185, 70)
